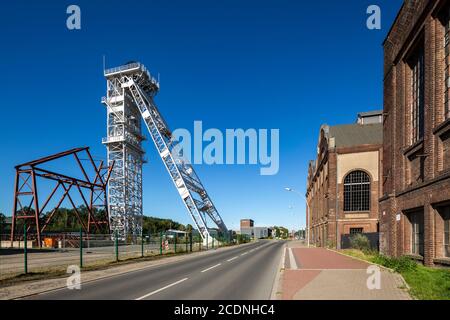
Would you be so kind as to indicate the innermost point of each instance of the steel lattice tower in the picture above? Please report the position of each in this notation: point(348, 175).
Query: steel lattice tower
point(130, 93)
point(124, 145)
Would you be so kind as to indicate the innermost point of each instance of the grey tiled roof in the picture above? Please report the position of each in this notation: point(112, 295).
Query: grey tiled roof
point(355, 134)
point(371, 113)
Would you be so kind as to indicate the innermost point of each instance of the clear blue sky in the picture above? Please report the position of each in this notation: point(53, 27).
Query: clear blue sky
point(292, 65)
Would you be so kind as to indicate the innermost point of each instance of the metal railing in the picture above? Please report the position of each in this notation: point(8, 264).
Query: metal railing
point(61, 250)
point(134, 65)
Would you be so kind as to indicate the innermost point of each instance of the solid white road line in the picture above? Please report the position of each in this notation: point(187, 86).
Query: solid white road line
point(243, 254)
point(232, 259)
point(292, 260)
point(212, 267)
point(159, 290)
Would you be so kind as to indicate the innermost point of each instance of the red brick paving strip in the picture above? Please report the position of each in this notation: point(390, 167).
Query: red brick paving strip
point(319, 258)
point(294, 280)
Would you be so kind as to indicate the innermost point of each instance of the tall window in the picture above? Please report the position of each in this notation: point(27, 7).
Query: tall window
point(357, 192)
point(417, 228)
point(446, 217)
point(416, 63)
point(447, 63)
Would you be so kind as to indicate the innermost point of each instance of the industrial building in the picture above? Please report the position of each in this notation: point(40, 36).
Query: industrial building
point(415, 203)
point(248, 228)
point(344, 182)
point(262, 232)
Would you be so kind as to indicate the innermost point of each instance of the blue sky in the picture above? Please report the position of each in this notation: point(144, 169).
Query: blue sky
point(289, 65)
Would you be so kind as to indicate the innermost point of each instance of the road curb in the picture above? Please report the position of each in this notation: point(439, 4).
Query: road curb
point(277, 287)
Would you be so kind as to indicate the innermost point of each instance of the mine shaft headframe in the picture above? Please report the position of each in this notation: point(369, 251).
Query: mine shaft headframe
point(26, 187)
point(142, 87)
point(139, 73)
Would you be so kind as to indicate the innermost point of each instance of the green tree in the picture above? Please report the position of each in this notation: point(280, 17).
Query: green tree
point(2, 223)
point(155, 225)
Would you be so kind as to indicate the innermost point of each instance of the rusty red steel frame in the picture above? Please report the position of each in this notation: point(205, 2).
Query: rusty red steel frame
point(27, 175)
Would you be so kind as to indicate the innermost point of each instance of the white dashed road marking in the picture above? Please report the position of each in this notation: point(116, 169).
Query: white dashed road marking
point(211, 267)
point(164, 288)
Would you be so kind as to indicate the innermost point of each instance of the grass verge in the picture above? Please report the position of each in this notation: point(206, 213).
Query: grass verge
point(425, 283)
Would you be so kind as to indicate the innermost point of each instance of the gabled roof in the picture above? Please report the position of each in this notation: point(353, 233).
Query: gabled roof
point(370, 113)
point(355, 134)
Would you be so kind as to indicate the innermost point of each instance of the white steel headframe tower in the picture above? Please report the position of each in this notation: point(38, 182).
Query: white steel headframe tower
point(124, 145)
point(131, 89)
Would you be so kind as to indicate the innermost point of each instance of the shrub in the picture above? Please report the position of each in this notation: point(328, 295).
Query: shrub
point(402, 264)
point(331, 244)
point(360, 242)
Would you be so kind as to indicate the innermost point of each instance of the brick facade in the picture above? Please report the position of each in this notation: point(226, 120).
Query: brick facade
point(325, 188)
point(247, 223)
point(416, 172)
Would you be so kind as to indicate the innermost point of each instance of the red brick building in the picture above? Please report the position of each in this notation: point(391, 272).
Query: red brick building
point(415, 205)
point(345, 178)
point(247, 223)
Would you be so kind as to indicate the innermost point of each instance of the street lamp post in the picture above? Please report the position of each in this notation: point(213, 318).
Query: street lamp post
point(307, 214)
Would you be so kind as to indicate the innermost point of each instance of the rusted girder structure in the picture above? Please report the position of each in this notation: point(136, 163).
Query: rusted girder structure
point(26, 189)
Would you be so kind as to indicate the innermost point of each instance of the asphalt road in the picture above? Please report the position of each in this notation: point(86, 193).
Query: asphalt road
point(242, 273)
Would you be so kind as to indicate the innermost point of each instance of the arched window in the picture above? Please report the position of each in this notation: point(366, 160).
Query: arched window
point(357, 191)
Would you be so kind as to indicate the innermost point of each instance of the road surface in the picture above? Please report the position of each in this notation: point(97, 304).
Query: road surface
point(241, 273)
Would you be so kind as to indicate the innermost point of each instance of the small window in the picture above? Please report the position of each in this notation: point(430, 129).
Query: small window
point(356, 230)
point(357, 192)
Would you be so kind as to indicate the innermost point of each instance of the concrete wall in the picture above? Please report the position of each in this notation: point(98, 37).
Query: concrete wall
point(17, 244)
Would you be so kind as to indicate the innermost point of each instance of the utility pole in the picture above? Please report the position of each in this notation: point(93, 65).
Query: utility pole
point(307, 212)
point(81, 247)
point(25, 251)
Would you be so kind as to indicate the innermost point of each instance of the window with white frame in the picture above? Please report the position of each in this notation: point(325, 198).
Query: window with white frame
point(417, 232)
point(357, 192)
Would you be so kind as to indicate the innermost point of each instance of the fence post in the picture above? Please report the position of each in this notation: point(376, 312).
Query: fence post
point(142, 243)
point(117, 245)
point(190, 242)
point(200, 243)
point(175, 247)
point(186, 241)
point(81, 247)
point(160, 243)
point(207, 244)
point(25, 244)
point(213, 243)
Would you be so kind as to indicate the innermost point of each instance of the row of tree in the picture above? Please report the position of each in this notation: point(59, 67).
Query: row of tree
point(280, 232)
point(66, 220)
point(156, 225)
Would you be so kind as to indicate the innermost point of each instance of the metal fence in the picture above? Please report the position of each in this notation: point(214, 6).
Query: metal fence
point(65, 249)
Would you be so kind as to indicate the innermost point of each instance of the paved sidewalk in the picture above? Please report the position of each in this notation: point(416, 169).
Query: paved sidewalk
point(321, 274)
